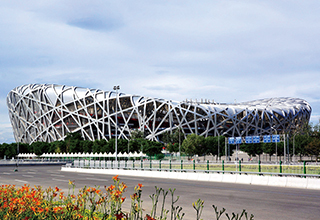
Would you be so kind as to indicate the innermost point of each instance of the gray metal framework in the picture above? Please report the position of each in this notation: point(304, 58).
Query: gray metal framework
point(47, 112)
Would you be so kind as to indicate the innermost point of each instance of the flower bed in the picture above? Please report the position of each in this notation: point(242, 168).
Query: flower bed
point(90, 203)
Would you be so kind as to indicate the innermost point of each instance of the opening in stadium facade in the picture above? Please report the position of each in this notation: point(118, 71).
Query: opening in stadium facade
point(49, 112)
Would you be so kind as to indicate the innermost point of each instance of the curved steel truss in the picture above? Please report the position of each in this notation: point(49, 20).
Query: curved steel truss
point(49, 112)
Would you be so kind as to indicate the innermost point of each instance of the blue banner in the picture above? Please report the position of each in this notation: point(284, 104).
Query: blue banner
point(267, 139)
point(256, 139)
point(231, 140)
point(276, 138)
point(249, 140)
point(238, 140)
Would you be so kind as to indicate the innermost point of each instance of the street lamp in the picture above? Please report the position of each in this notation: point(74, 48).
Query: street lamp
point(178, 128)
point(276, 143)
point(294, 138)
point(116, 141)
point(17, 165)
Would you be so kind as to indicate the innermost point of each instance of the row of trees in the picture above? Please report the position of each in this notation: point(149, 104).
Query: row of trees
point(74, 143)
point(306, 142)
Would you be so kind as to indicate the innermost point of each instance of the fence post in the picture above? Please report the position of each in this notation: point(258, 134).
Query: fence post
point(304, 167)
point(259, 164)
point(222, 166)
point(194, 164)
point(170, 165)
point(125, 164)
point(280, 167)
point(141, 164)
point(160, 165)
point(111, 164)
point(133, 163)
point(150, 164)
point(181, 166)
point(240, 166)
point(207, 164)
point(118, 164)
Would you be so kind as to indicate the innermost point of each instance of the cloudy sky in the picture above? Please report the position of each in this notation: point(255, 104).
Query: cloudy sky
point(221, 50)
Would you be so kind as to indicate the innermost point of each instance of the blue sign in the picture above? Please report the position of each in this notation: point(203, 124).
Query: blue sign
point(256, 139)
point(238, 140)
point(231, 140)
point(249, 140)
point(267, 139)
point(275, 138)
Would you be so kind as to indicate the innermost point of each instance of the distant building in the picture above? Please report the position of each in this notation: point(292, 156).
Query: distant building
point(48, 112)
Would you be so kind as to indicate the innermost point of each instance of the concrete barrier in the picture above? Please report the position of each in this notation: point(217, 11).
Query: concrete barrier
point(259, 180)
point(215, 177)
point(277, 181)
point(204, 177)
point(244, 179)
point(293, 182)
point(192, 176)
point(313, 183)
point(229, 178)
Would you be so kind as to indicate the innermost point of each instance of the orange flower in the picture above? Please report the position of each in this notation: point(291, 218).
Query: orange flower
point(115, 178)
point(140, 186)
point(110, 188)
point(149, 217)
point(134, 196)
point(56, 209)
point(117, 193)
point(122, 199)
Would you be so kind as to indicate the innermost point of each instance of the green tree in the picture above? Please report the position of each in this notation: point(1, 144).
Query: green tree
point(58, 147)
point(269, 148)
point(98, 145)
point(193, 144)
point(212, 143)
point(86, 146)
point(152, 148)
point(136, 134)
point(136, 145)
point(300, 143)
point(39, 147)
point(173, 147)
point(313, 148)
point(72, 142)
point(10, 150)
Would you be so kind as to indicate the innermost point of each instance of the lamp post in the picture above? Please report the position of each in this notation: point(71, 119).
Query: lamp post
point(294, 138)
point(17, 157)
point(116, 103)
point(179, 145)
point(276, 144)
point(218, 146)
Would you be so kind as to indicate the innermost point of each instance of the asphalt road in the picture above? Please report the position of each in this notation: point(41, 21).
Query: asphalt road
point(264, 202)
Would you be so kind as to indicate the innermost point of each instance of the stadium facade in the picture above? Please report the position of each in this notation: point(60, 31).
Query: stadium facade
point(48, 112)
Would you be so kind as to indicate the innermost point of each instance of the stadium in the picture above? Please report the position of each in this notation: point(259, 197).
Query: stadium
point(48, 112)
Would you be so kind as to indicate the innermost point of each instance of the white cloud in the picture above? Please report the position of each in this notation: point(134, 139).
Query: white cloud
point(221, 50)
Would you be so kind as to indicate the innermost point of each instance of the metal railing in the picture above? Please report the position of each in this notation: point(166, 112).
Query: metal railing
point(278, 169)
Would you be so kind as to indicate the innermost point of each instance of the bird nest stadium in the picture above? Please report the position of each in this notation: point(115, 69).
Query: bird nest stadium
point(49, 112)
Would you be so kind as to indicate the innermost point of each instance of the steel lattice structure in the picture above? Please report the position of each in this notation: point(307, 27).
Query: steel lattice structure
point(48, 112)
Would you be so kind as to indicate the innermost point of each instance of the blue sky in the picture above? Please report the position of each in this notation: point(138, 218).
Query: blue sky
point(221, 50)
